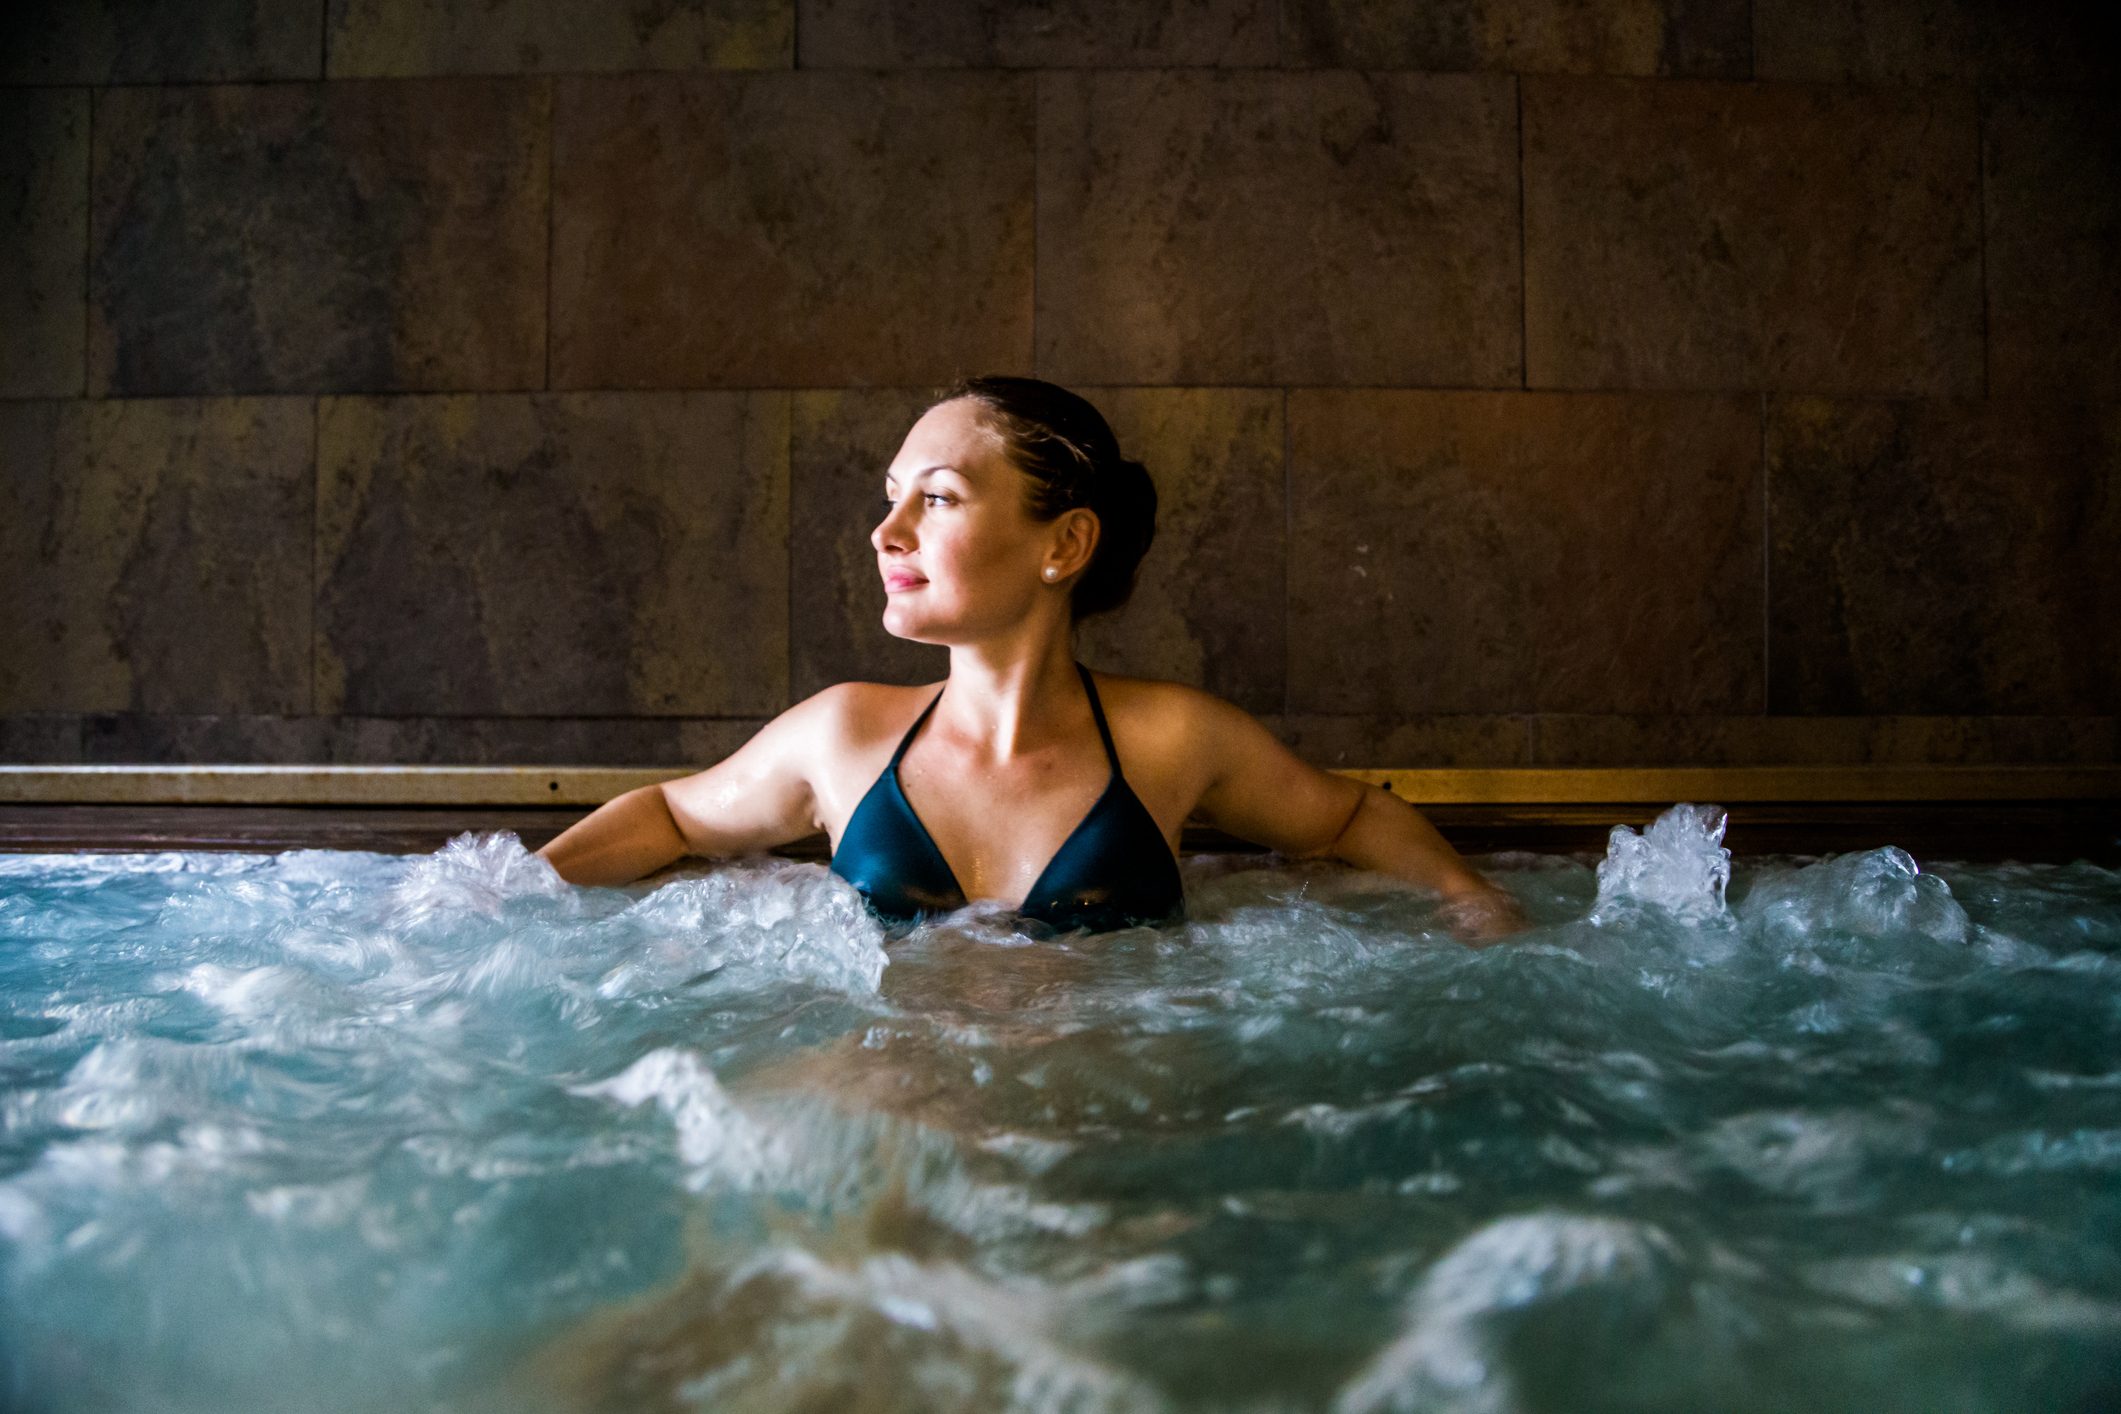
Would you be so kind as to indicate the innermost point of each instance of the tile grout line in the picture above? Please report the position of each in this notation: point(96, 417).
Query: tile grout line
point(1288, 549)
point(1036, 92)
point(1524, 293)
point(788, 547)
point(316, 500)
point(1981, 225)
point(1766, 580)
point(316, 412)
point(88, 244)
point(552, 142)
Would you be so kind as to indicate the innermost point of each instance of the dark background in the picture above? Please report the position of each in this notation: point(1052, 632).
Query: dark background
point(1646, 382)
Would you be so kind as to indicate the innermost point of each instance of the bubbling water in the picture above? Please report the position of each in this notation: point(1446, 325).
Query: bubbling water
point(342, 1131)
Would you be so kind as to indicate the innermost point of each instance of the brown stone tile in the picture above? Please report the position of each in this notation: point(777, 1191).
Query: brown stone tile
point(1695, 235)
point(354, 740)
point(791, 230)
point(330, 237)
point(563, 555)
point(156, 555)
point(840, 444)
point(704, 741)
point(195, 740)
point(1388, 743)
point(1976, 741)
point(1259, 227)
point(1951, 557)
point(514, 741)
point(1523, 552)
point(407, 38)
point(992, 34)
point(1208, 606)
point(40, 739)
point(1821, 741)
point(43, 242)
point(1921, 41)
point(200, 41)
point(2052, 181)
point(1665, 38)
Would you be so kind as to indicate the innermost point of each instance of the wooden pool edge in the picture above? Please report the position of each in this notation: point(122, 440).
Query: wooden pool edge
point(2028, 813)
point(589, 786)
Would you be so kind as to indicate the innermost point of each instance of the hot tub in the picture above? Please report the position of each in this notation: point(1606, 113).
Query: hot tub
point(379, 1128)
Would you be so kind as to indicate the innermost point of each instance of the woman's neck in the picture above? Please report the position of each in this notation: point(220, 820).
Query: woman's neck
point(1005, 703)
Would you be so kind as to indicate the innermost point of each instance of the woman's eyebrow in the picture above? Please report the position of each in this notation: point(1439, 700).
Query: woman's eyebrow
point(890, 480)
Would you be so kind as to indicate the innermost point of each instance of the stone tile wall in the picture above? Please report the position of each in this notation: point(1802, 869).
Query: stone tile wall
point(1526, 381)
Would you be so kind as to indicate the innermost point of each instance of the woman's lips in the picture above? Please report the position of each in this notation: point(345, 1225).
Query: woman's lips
point(893, 583)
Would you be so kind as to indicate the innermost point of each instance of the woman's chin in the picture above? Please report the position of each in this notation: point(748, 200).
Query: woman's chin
point(908, 627)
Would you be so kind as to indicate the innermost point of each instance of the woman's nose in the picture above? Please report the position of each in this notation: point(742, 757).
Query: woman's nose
point(894, 531)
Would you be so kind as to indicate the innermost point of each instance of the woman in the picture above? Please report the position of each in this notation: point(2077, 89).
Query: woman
point(1010, 517)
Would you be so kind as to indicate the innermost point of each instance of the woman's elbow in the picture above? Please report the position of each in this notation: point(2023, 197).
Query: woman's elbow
point(1333, 847)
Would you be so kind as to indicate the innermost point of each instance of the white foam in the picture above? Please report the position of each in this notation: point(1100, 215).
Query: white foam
point(1879, 894)
point(804, 1148)
point(1678, 863)
point(773, 919)
point(923, 1321)
point(477, 873)
point(716, 1139)
point(1447, 1357)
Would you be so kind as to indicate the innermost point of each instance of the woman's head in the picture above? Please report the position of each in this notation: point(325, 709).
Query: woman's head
point(1022, 493)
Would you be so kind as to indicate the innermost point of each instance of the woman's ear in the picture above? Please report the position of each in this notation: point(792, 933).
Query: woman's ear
point(1075, 540)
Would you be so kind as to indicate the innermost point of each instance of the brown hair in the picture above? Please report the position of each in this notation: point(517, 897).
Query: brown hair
point(1067, 450)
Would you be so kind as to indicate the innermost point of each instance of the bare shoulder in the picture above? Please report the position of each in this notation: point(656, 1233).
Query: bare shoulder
point(860, 714)
point(1230, 770)
point(766, 792)
point(1187, 731)
point(798, 774)
point(812, 736)
point(1165, 706)
point(857, 726)
point(1153, 705)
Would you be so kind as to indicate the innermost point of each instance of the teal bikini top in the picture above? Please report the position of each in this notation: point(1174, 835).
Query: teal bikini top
point(1114, 871)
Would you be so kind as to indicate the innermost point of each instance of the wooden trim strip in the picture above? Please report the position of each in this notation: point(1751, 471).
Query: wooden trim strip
point(1733, 784)
point(589, 786)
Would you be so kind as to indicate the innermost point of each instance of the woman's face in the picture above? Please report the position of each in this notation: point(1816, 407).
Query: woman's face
point(960, 556)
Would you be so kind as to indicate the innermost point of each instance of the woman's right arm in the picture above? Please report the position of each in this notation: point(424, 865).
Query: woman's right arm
point(758, 797)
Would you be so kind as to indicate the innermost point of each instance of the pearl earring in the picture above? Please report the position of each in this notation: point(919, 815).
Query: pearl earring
point(1051, 572)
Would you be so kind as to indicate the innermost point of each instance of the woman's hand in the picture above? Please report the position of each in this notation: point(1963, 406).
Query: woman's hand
point(1483, 914)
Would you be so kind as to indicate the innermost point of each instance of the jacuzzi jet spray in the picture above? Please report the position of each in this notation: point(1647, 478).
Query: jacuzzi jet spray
point(1678, 863)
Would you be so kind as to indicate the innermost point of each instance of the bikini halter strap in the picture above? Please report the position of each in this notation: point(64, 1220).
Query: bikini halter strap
point(907, 740)
point(1097, 710)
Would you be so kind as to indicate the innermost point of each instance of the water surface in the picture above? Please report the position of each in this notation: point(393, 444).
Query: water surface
point(344, 1131)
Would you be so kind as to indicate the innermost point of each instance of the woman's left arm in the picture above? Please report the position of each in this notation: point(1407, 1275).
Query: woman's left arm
point(1261, 791)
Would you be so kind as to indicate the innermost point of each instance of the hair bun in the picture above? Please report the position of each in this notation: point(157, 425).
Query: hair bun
point(1126, 508)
